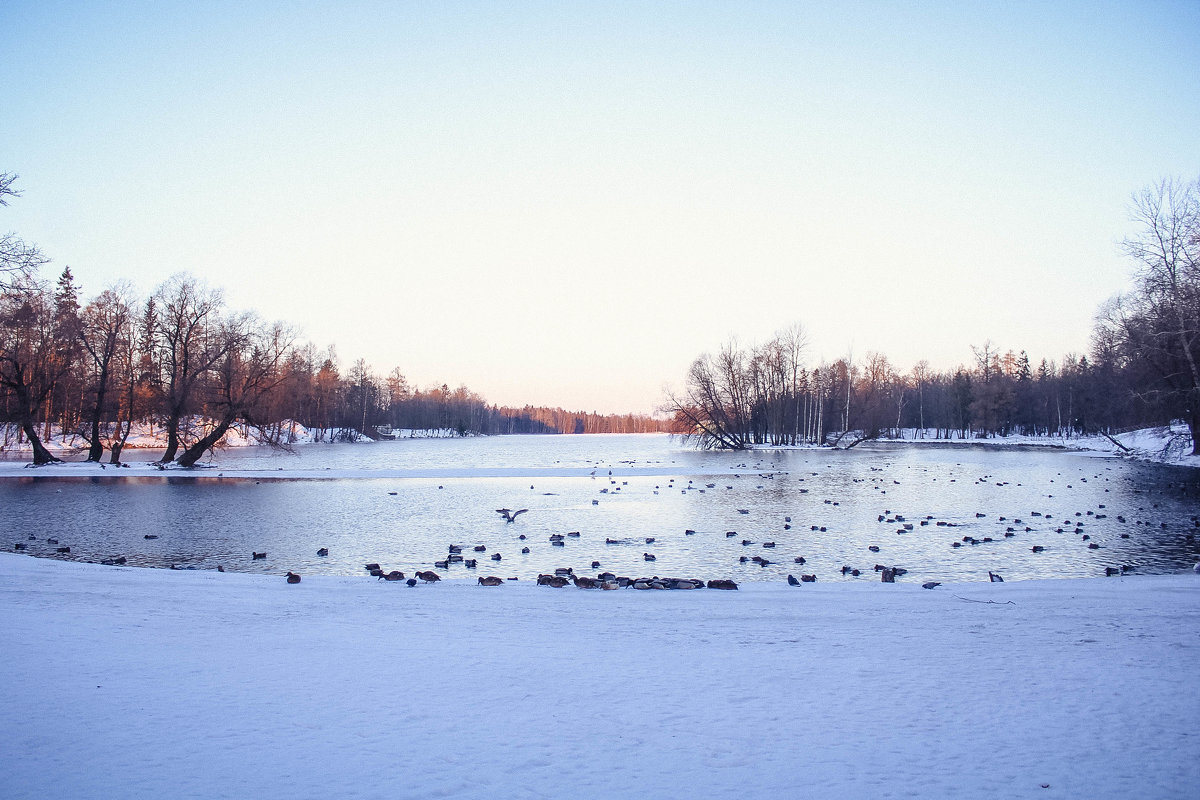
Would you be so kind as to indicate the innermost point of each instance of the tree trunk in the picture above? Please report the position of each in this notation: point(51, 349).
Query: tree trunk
point(172, 438)
point(1194, 427)
point(26, 415)
point(40, 454)
point(96, 450)
point(206, 442)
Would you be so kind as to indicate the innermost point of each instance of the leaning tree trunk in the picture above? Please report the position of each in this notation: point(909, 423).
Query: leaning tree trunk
point(26, 414)
point(192, 454)
point(40, 454)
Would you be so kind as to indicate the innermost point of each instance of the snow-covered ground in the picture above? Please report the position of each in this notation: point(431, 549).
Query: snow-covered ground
point(152, 683)
point(148, 436)
point(1164, 445)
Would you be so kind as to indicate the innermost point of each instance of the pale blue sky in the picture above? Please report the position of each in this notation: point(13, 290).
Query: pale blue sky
point(564, 204)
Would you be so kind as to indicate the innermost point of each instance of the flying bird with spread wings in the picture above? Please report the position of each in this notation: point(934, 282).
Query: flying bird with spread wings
point(508, 515)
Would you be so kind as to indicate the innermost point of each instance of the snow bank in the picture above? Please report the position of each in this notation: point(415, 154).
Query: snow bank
point(152, 683)
point(149, 435)
point(1165, 445)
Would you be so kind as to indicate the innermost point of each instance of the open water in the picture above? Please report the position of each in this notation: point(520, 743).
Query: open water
point(911, 501)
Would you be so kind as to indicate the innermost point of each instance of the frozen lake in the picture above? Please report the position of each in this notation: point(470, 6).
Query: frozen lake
point(410, 499)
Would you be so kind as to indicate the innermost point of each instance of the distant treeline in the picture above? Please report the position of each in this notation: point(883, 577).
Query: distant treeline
point(361, 401)
point(1143, 368)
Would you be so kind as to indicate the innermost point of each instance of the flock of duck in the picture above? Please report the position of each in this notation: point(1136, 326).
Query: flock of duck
point(1013, 528)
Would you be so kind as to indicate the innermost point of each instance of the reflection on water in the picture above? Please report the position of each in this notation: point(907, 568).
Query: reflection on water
point(1139, 516)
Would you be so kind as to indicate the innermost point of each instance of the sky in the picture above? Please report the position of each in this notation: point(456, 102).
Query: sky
point(565, 203)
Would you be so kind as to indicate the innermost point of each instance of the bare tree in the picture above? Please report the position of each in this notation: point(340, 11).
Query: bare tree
point(1160, 320)
point(30, 355)
point(921, 374)
point(714, 409)
point(251, 366)
point(185, 318)
point(18, 259)
point(104, 330)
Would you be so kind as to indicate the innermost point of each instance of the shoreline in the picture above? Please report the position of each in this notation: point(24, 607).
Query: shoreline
point(1147, 446)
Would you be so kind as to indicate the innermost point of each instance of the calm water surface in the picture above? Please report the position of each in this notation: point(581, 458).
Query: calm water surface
point(1141, 516)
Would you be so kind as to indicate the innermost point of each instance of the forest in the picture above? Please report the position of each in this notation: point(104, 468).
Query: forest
point(182, 361)
point(1141, 370)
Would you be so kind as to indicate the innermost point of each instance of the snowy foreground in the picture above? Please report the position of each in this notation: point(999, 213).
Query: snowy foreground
point(155, 683)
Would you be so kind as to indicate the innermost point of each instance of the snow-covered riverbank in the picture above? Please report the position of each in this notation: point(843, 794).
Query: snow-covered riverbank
point(152, 683)
point(1164, 445)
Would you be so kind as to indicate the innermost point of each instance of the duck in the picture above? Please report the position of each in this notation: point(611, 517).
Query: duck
point(429, 576)
point(792, 581)
point(490, 580)
point(994, 577)
point(722, 583)
point(293, 577)
point(394, 575)
point(648, 557)
point(257, 556)
point(495, 556)
point(324, 551)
